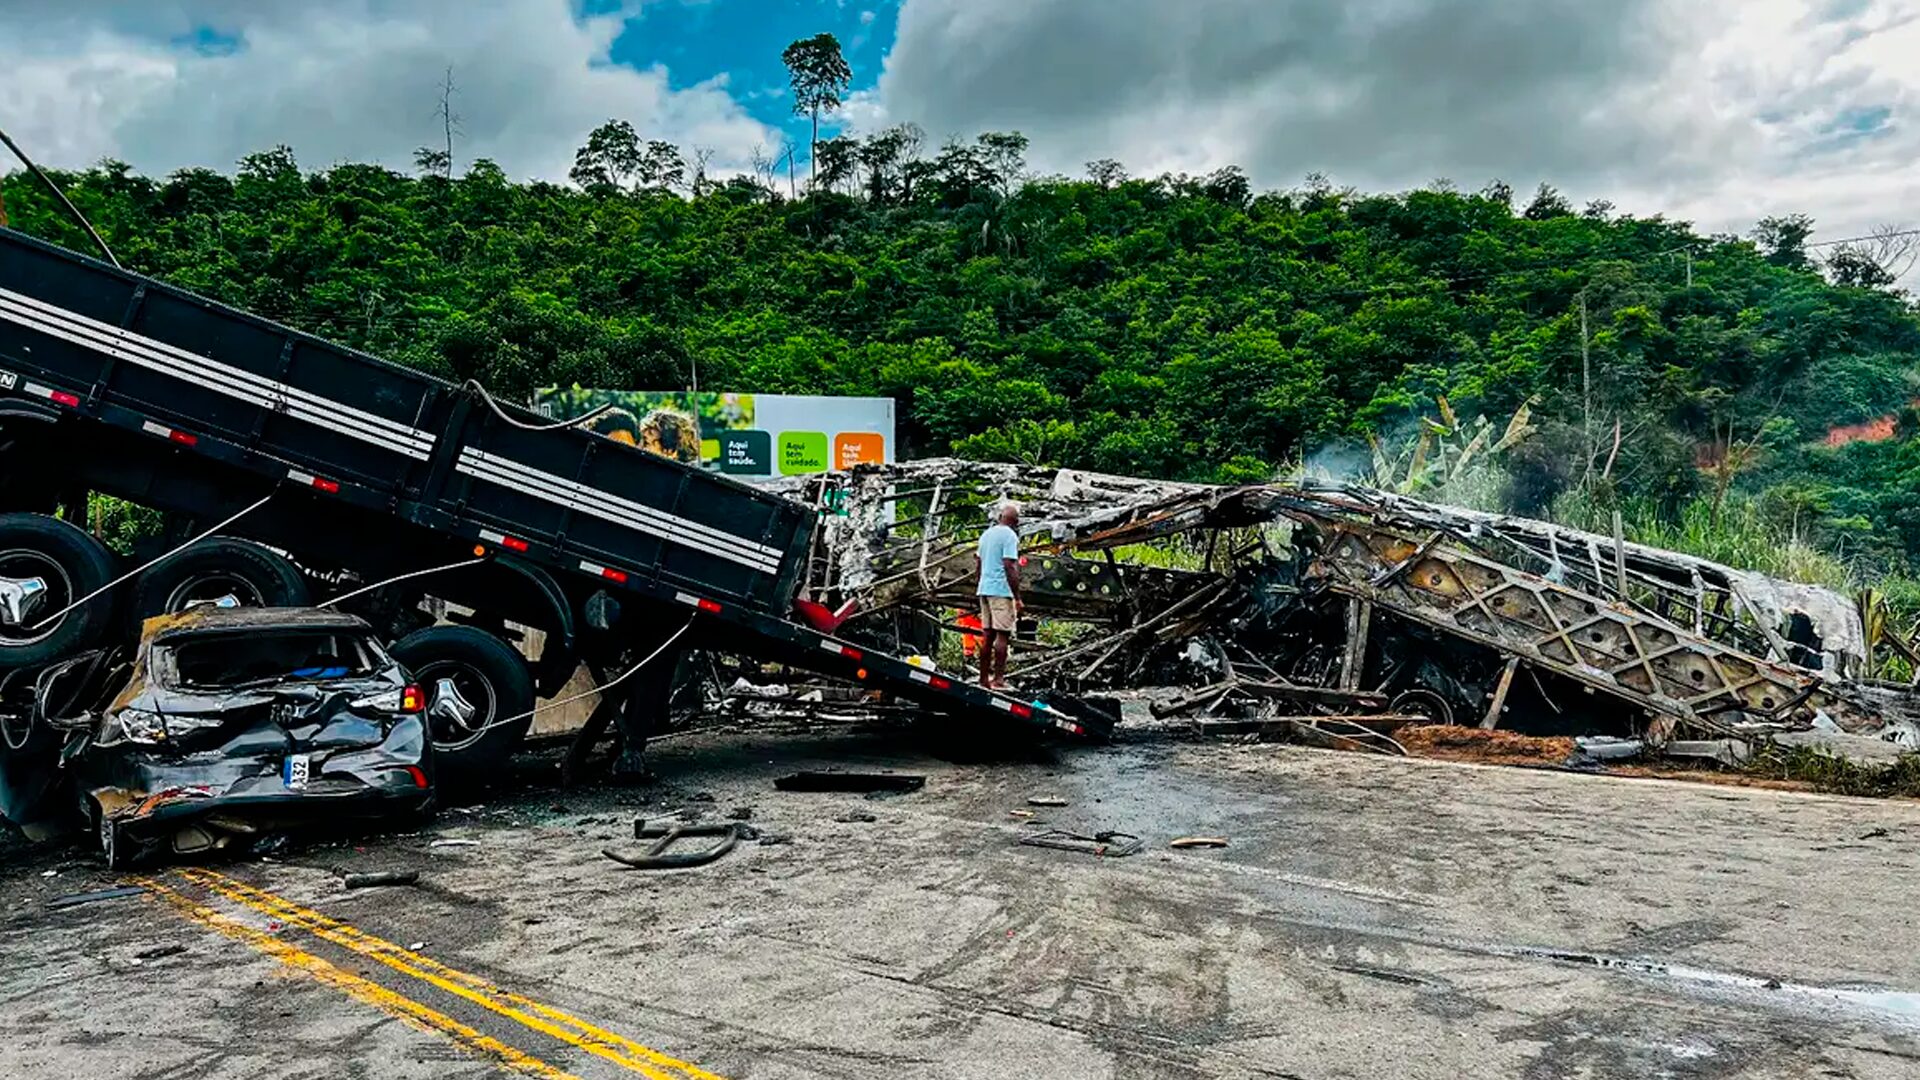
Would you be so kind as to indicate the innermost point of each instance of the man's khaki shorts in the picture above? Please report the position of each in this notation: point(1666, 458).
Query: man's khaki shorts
point(998, 613)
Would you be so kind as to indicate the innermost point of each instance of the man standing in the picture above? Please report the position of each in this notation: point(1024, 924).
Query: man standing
point(998, 557)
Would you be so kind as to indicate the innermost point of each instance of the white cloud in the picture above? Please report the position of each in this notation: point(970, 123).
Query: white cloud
point(340, 80)
point(1718, 111)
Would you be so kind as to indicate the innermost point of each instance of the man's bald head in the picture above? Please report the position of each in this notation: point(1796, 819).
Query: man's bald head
point(1009, 513)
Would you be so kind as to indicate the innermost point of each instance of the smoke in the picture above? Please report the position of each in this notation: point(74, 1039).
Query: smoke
point(1340, 463)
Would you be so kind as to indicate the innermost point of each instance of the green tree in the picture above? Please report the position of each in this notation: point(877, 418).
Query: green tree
point(1783, 239)
point(661, 167)
point(611, 157)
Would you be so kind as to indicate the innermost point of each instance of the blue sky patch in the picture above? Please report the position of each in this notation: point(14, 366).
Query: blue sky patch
point(208, 41)
point(696, 40)
point(1861, 120)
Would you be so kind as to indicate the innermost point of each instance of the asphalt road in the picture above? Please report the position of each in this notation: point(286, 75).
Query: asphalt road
point(1368, 918)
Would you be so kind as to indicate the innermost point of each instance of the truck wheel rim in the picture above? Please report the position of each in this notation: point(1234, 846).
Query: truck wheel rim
point(212, 587)
point(24, 563)
point(450, 735)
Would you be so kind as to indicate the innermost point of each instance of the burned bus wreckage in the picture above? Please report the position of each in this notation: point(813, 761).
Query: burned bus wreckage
point(1350, 612)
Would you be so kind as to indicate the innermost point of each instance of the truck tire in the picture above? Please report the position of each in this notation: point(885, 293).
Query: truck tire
point(67, 564)
point(470, 744)
point(214, 568)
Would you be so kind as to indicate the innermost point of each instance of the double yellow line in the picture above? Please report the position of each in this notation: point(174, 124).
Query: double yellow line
point(534, 1015)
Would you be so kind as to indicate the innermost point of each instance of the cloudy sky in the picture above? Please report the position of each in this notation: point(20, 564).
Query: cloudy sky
point(1715, 111)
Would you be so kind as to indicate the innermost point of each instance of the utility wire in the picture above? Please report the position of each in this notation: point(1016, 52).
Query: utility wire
point(474, 385)
point(1861, 239)
point(402, 577)
point(62, 196)
point(138, 570)
point(605, 686)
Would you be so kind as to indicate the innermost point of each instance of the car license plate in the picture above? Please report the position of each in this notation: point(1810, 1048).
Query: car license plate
point(294, 771)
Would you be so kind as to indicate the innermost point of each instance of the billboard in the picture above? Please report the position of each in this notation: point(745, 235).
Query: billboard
point(749, 436)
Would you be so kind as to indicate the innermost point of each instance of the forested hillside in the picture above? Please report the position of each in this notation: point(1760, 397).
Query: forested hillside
point(1178, 326)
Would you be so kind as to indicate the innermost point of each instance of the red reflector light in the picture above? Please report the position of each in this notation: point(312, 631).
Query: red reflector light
point(513, 543)
point(331, 487)
point(71, 401)
point(183, 438)
point(850, 652)
point(1024, 712)
point(412, 699)
point(939, 684)
point(419, 776)
point(616, 576)
point(708, 606)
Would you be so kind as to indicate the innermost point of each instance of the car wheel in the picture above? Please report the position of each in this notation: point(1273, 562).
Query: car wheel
point(45, 565)
point(479, 698)
point(1429, 706)
point(219, 570)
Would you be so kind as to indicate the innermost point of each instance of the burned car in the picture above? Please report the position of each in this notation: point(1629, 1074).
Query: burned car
point(226, 724)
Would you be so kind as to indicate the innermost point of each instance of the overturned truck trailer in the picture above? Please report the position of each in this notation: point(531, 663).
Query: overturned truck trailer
point(1334, 596)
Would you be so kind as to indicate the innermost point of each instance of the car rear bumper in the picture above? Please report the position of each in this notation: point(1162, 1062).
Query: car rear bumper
point(149, 795)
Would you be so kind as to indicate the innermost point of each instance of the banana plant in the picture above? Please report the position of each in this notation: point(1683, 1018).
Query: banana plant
point(1445, 449)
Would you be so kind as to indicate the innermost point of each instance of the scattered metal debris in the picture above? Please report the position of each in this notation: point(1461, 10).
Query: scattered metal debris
point(1198, 842)
point(1046, 800)
point(97, 895)
point(1338, 614)
point(377, 878)
point(658, 855)
point(851, 782)
point(1110, 844)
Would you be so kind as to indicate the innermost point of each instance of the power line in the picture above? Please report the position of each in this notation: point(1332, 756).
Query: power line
point(1871, 236)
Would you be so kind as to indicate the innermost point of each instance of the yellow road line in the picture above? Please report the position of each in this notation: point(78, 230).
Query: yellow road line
point(541, 1017)
point(362, 990)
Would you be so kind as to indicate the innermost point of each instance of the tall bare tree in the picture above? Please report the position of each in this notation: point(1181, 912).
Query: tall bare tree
point(820, 76)
point(449, 120)
point(701, 184)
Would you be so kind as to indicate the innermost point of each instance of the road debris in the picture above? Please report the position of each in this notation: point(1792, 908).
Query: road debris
point(377, 878)
point(1045, 800)
point(1108, 844)
point(659, 856)
point(97, 895)
point(857, 782)
point(1198, 842)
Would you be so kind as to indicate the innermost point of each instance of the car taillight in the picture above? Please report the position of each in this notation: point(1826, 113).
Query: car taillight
point(413, 699)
